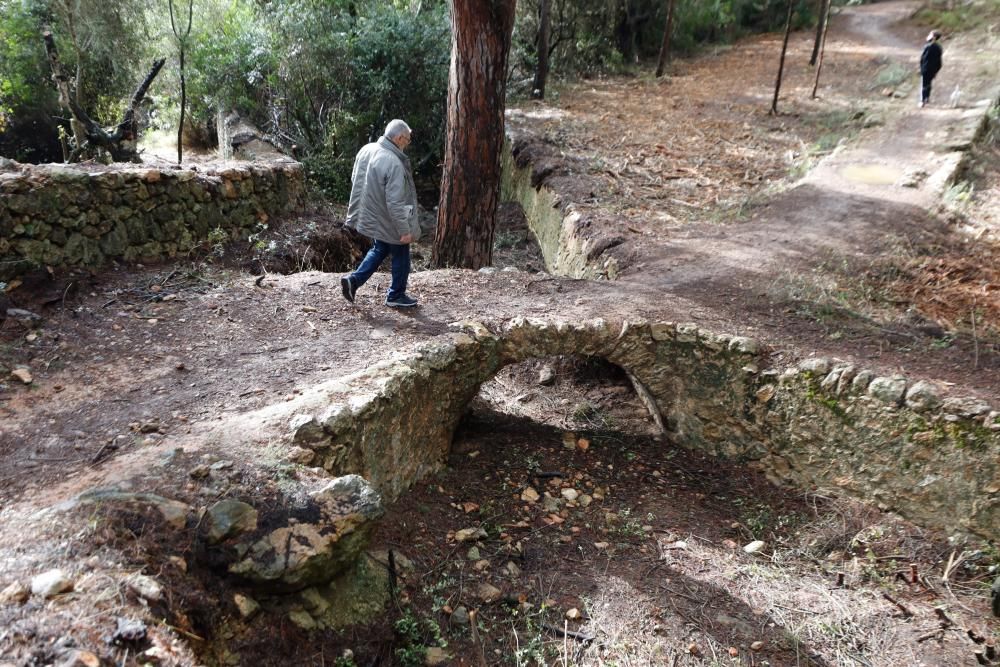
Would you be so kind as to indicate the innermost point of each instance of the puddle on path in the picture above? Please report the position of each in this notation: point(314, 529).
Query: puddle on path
point(871, 174)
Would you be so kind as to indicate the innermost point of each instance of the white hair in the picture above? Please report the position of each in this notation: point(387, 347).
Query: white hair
point(396, 128)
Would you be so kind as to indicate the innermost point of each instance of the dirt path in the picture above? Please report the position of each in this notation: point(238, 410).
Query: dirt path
point(694, 145)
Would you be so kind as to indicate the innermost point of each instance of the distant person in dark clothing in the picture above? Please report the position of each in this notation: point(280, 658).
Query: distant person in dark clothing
point(930, 65)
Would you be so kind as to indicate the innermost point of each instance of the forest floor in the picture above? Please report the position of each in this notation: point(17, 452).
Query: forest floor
point(793, 228)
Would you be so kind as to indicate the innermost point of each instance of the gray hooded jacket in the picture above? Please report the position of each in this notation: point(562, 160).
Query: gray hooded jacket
point(383, 203)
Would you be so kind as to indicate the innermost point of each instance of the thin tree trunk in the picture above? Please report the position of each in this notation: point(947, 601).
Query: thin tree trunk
point(822, 47)
point(661, 63)
point(182, 37)
point(470, 184)
point(542, 72)
point(781, 63)
point(820, 29)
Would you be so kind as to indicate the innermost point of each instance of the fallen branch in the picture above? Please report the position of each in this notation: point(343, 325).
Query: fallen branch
point(578, 636)
point(899, 605)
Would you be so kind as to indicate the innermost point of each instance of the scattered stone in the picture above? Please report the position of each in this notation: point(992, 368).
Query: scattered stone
point(584, 500)
point(145, 587)
point(473, 553)
point(550, 504)
point(246, 605)
point(468, 534)
point(529, 495)
point(22, 374)
point(154, 655)
point(16, 593)
point(570, 494)
point(922, 397)
point(481, 565)
point(546, 376)
point(888, 389)
point(460, 616)
point(76, 658)
point(862, 380)
point(765, 393)
point(129, 631)
point(756, 646)
point(569, 440)
point(488, 593)
point(302, 619)
point(573, 614)
point(512, 570)
point(436, 655)
point(601, 546)
point(220, 465)
point(816, 365)
point(51, 583)
point(152, 426)
point(229, 518)
point(754, 547)
point(583, 444)
point(300, 455)
point(199, 472)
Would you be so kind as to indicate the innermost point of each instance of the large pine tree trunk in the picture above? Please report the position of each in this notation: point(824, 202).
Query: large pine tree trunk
point(542, 71)
point(661, 63)
point(470, 185)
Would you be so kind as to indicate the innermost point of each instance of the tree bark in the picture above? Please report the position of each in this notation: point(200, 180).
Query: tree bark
point(781, 62)
point(542, 71)
point(182, 37)
point(820, 29)
point(120, 143)
point(661, 63)
point(822, 47)
point(470, 184)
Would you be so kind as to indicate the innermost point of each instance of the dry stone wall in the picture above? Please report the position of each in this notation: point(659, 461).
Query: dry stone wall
point(821, 425)
point(67, 216)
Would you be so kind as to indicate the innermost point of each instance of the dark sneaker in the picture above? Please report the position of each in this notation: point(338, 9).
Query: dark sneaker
point(401, 302)
point(348, 288)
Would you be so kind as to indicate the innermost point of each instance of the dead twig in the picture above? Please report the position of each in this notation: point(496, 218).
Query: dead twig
point(899, 605)
point(578, 636)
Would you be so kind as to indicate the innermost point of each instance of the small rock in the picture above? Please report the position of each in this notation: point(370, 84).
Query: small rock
point(155, 655)
point(129, 631)
point(247, 606)
point(888, 389)
point(79, 659)
point(481, 565)
point(546, 376)
point(570, 494)
point(756, 646)
point(468, 534)
point(550, 504)
point(569, 440)
point(573, 614)
point(460, 616)
point(922, 397)
point(512, 569)
point(300, 455)
point(601, 546)
point(152, 426)
point(302, 619)
point(199, 472)
point(16, 593)
point(584, 500)
point(473, 554)
point(50, 583)
point(436, 655)
point(145, 587)
point(22, 374)
point(529, 495)
point(754, 547)
point(228, 518)
point(220, 465)
point(488, 593)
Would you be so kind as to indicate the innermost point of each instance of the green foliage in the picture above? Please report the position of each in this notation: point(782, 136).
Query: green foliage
point(416, 634)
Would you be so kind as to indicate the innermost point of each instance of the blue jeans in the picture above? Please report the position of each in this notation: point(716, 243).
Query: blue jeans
point(400, 267)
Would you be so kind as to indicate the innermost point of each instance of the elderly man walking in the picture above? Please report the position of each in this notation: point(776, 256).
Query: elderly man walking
point(930, 65)
point(383, 207)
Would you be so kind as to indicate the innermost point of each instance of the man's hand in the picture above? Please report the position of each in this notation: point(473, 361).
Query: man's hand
point(406, 239)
